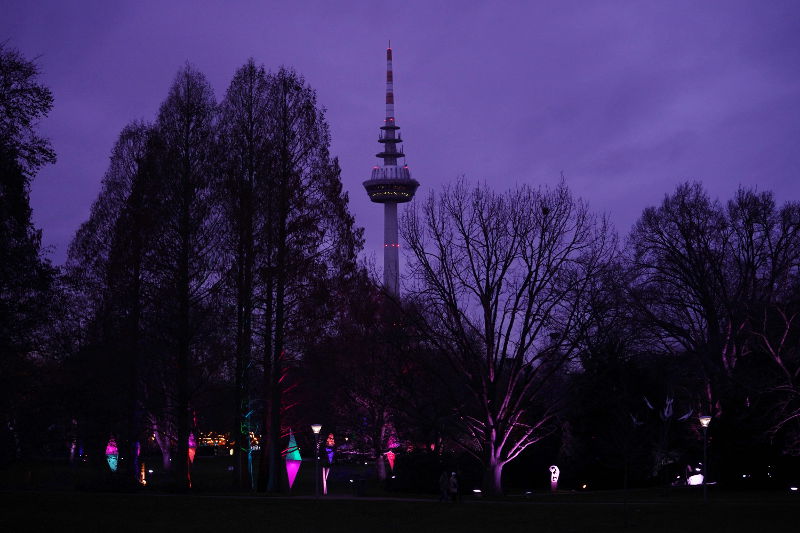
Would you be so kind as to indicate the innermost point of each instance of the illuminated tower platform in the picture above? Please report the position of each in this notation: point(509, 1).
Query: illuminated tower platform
point(390, 185)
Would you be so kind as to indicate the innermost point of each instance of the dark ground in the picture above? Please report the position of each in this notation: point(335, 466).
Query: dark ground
point(55, 498)
point(648, 511)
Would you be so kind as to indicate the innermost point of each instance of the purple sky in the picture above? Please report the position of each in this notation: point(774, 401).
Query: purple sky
point(626, 98)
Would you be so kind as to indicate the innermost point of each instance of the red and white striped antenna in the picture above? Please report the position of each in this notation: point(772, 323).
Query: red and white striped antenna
point(389, 86)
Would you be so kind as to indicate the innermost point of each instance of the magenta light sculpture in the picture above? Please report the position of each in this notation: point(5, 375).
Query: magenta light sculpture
point(293, 459)
point(390, 455)
point(112, 454)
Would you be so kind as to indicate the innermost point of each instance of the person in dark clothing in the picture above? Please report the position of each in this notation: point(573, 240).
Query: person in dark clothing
point(444, 487)
point(452, 487)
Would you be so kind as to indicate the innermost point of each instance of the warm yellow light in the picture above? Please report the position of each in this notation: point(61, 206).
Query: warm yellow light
point(705, 420)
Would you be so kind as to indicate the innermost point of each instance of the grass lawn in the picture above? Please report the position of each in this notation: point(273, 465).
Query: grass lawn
point(147, 512)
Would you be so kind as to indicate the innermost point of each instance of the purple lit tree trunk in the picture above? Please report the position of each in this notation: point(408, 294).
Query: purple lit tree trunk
point(164, 444)
point(493, 480)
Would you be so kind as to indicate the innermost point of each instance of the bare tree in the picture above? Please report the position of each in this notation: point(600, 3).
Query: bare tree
point(501, 278)
point(700, 272)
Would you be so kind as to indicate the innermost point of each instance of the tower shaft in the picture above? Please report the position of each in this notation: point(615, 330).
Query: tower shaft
point(391, 249)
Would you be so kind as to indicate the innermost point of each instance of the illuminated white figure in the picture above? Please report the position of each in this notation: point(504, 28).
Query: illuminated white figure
point(554, 473)
point(696, 479)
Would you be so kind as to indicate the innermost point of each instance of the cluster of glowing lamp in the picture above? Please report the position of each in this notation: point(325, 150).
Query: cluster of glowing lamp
point(112, 454)
point(293, 459)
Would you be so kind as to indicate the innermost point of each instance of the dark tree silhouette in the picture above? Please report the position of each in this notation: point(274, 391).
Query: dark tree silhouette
point(25, 274)
point(502, 278)
point(190, 228)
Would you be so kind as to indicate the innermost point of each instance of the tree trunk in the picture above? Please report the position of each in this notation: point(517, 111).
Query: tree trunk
point(380, 462)
point(136, 413)
point(493, 477)
point(182, 475)
point(163, 444)
point(265, 465)
point(277, 366)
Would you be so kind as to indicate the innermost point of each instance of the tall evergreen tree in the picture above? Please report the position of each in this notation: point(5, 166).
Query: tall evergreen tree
point(25, 274)
point(244, 144)
point(190, 225)
point(307, 237)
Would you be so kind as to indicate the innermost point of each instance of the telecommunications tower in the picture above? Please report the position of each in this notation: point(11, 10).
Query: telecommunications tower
point(390, 185)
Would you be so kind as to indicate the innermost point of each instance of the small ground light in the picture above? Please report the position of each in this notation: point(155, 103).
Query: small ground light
point(150, 471)
point(583, 486)
point(793, 489)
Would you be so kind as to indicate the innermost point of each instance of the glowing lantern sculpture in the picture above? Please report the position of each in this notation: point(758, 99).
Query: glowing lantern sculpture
point(293, 459)
point(390, 457)
point(554, 473)
point(326, 468)
point(112, 454)
point(192, 447)
point(329, 444)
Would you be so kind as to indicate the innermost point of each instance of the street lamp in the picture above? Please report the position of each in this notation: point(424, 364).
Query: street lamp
point(316, 428)
point(705, 420)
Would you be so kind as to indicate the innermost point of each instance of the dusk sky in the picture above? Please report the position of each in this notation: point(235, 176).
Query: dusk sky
point(628, 99)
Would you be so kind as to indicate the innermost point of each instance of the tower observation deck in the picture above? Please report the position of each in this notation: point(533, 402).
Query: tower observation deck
point(390, 184)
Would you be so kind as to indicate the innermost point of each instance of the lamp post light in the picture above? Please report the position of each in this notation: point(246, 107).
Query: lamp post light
point(705, 420)
point(316, 428)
